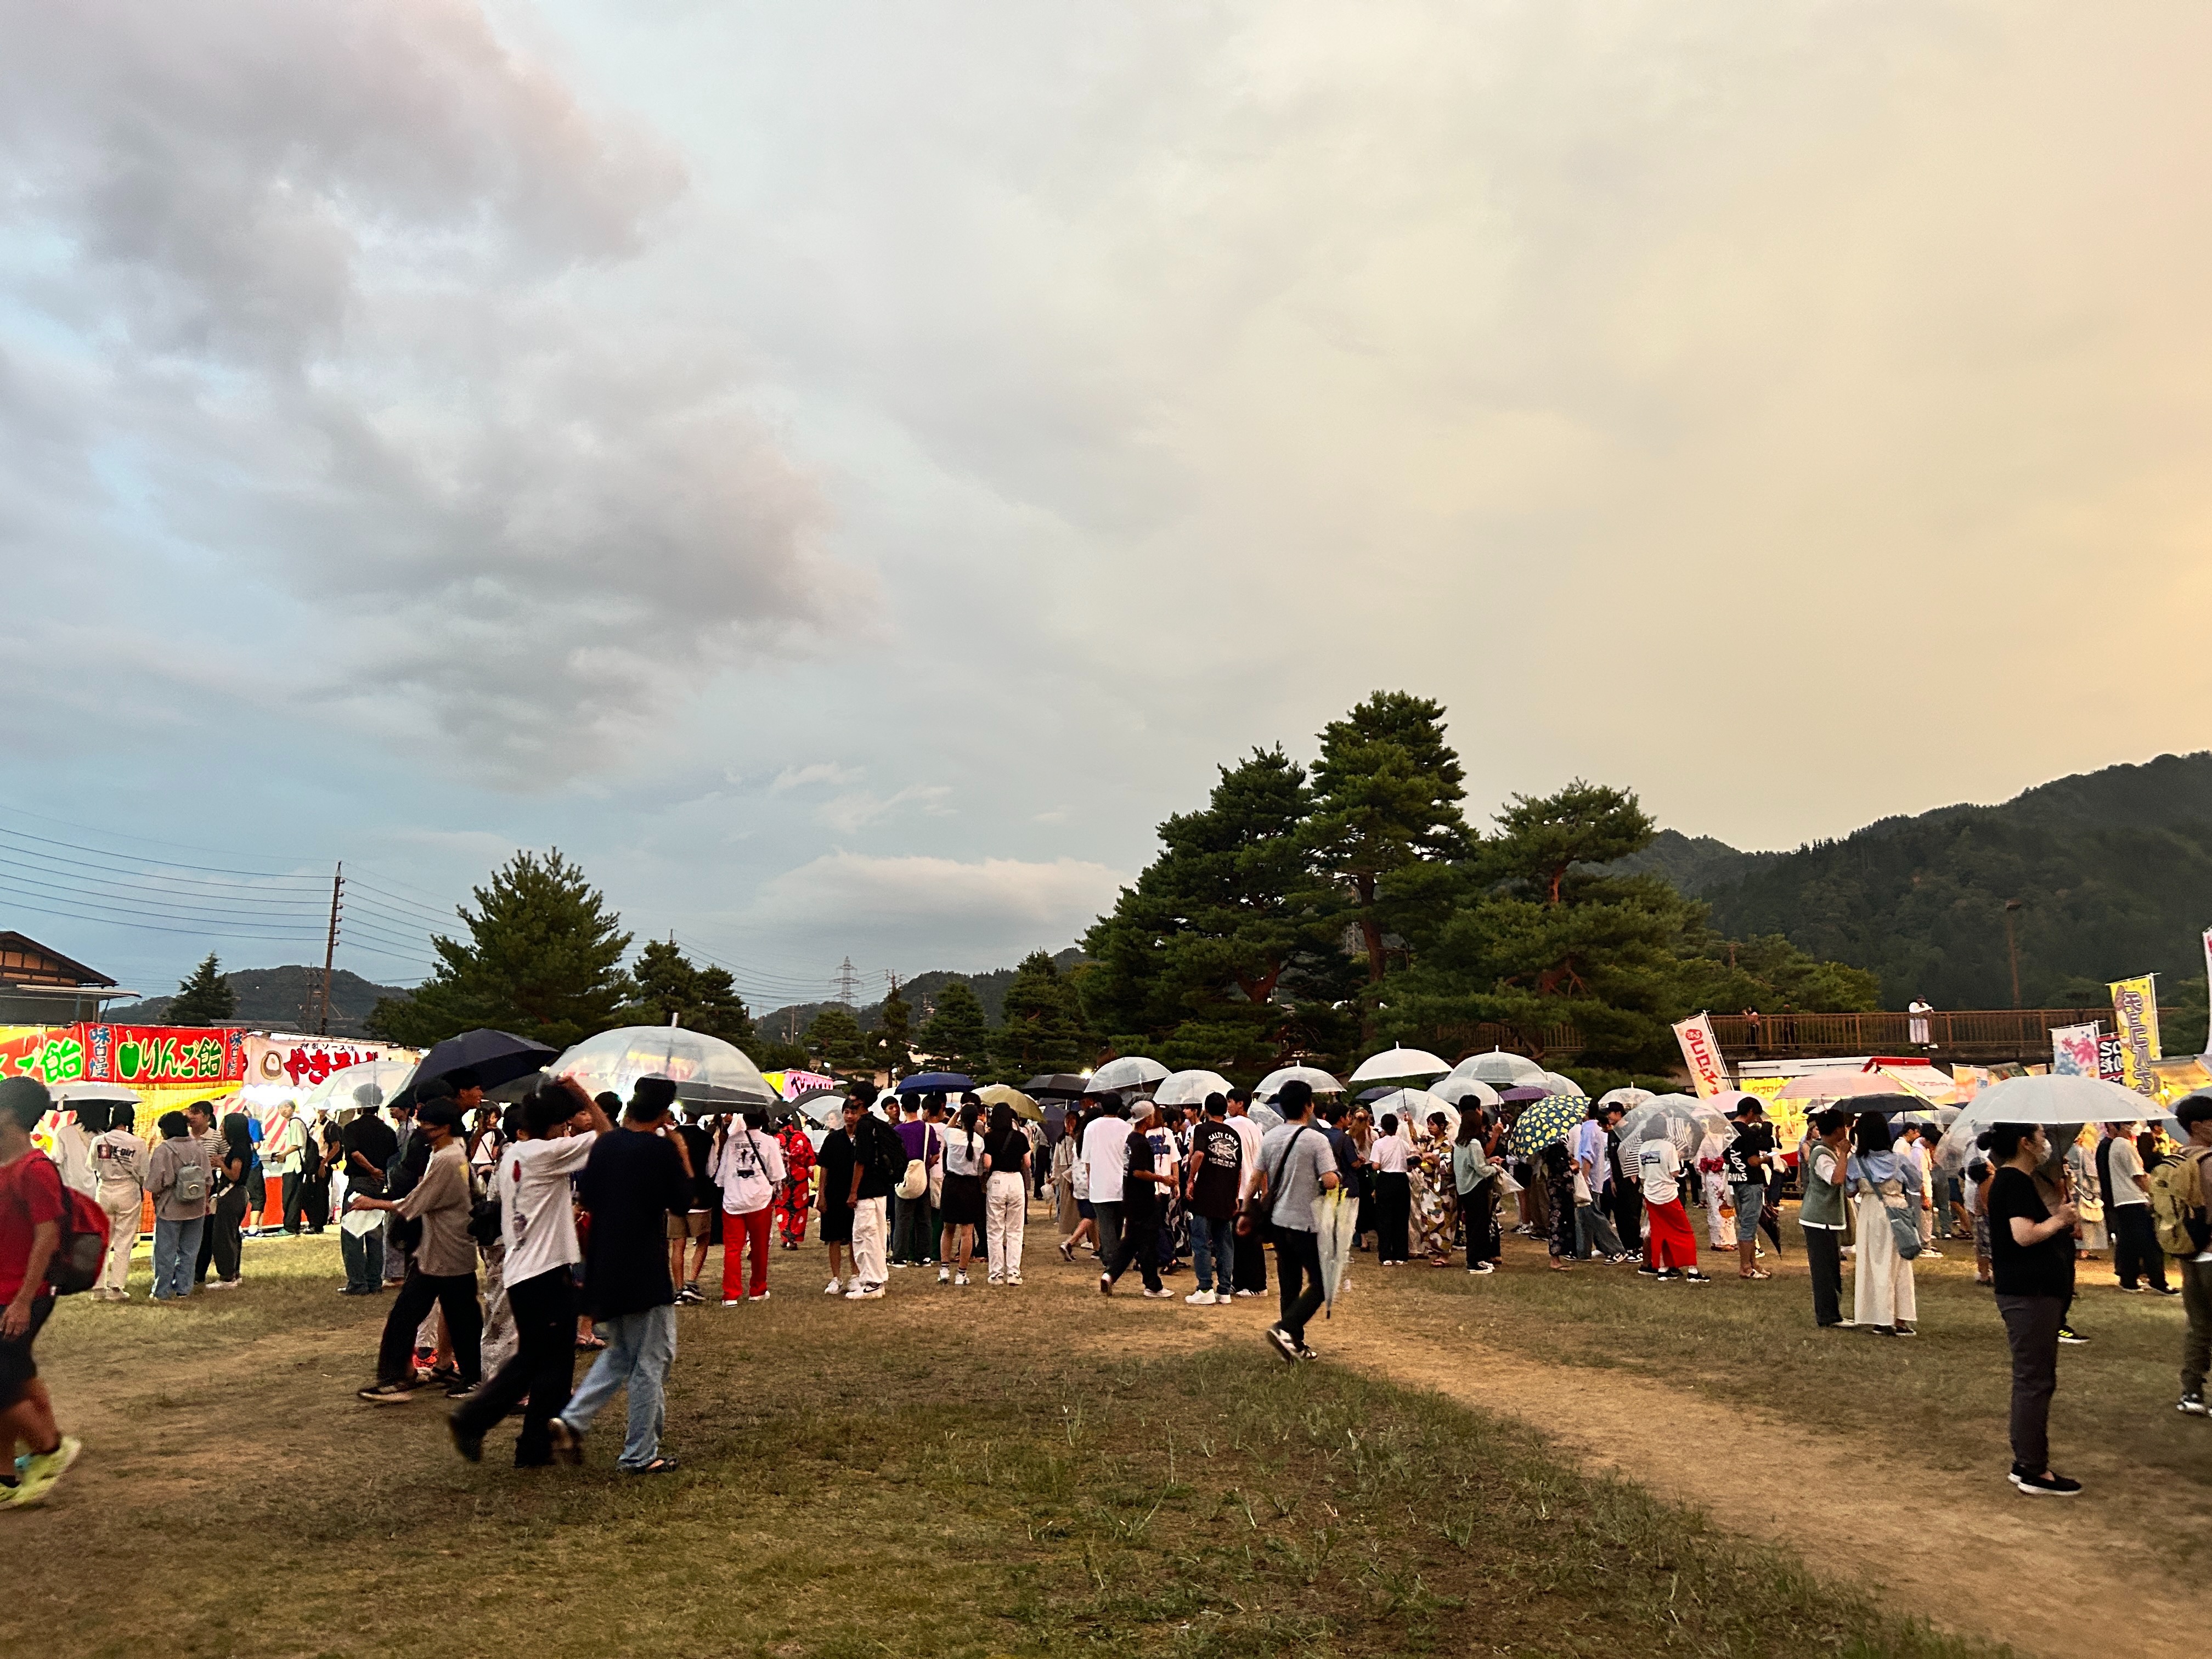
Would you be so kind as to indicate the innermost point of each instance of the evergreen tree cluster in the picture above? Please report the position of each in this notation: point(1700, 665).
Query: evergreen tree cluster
point(1318, 916)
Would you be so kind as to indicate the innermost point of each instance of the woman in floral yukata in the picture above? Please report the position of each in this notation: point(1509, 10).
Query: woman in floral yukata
point(796, 1196)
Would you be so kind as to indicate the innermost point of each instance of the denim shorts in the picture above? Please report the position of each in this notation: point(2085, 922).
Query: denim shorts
point(1750, 1197)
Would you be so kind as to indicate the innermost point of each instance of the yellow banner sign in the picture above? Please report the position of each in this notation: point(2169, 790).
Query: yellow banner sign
point(2135, 1018)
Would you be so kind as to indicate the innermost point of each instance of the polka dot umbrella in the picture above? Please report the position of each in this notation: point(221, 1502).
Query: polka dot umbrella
point(1543, 1121)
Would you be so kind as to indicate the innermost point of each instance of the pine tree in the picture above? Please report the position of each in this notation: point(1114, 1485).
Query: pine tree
point(543, 960)
point(835, 1041)
point(1386, 825)
point(958, 1036)
point(703, 998)
point(203, 999)
point(890, 1044)
point(1043, 1029)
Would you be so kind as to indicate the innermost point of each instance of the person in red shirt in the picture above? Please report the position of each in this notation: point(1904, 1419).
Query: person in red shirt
point(31, 1210)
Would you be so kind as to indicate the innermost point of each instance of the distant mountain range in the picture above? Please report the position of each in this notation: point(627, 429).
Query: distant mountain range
point(2112, 871)
point(280, 997)
point(789, 1022)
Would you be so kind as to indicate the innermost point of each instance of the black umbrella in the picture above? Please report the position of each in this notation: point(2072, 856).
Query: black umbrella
point(493, 1057)
point(1063, 1083)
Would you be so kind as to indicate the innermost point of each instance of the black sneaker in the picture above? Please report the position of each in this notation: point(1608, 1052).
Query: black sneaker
point(1304, 1353)
point(470, 1446)
point(1691, 1276)
point(387, 1394)
point(1280, 1340)
point(2072, 1338)
point(2045, 1484)
point(1666, 1275)
point(1647, 1271)
point(2165, 1289)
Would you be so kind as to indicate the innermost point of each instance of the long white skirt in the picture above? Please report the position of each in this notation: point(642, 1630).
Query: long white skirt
point(1882, 1289)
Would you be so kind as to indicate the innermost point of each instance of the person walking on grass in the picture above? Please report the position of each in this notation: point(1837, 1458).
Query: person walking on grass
point(878, 1161)
point(1106, 1155)
point(553, 1135)
point(441, 1269)
point(2032, 1249)
point(1297, 1166)
point(962, 1210)
point(1882, 1295)
point(1672, 1248)
point(1141, 1183)
point(1744, 1160)
point(1249, 1277)
point(32, 1205)
point(633, 1179)
point(745, 1166)
point(2136, 1255)
point(1476, 1178)
point(1594, 1233)
point(1007, 1154)
point(118, 1169)
point(696, 1229)
point(2190, 1196)
point(1216, 1179)
point(1824, 1164)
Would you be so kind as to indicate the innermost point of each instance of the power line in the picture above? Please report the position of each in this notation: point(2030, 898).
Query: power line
point(135, 864)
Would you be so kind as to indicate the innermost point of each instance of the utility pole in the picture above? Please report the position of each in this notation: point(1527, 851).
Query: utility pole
point(331, 949)
point(2012, 949)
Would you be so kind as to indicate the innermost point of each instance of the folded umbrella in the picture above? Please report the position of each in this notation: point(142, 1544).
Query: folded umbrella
point(1336, 1216)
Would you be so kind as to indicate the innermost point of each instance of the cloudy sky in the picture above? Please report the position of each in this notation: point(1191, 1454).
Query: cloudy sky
point(844, 471)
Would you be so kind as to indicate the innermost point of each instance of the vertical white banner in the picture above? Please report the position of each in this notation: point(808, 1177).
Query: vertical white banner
point(1701, 1052)
point(2207, 980)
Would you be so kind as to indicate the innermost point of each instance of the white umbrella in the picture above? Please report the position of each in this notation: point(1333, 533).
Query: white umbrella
point(1627, 1099)
point(1130, 1072)
point(70, 1094)
point(1266, 1117)
point(1683, 1119)
point(1190, 1088)
point(1312, 1076)
point(1834, 1083)
point(1501, 1069)
point(1335, 1215)
point(1413, 1107)
point(2054, 1099)
point(1560, 1086)
point(704, 1069)
point(341, 1091)
point(1400, 1063)
point(1458, 1090)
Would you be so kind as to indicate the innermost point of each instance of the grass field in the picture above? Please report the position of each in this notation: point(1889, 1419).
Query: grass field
point(961, 1474)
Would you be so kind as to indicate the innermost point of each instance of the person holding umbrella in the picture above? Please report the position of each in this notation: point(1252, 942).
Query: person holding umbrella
point(2032, 1249)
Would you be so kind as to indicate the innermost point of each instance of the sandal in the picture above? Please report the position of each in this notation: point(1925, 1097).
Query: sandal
point(1755, 1273)
point(658, 1466)
point(589, 1344)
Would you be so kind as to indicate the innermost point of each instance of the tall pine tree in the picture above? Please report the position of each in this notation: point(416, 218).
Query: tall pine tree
point(542, 960)
point(205, 998)
point(835, 1041)
point(890, 1044)
point(1043, 1030)
point(704, 999)
point(958, 1034)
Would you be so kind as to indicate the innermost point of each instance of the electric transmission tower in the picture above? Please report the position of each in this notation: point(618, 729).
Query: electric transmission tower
point(848, 983)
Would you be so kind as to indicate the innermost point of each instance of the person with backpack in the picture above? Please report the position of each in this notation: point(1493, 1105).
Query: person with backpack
point(879, 1164)
point(180, 1174)
point(1295, 1167)
point(745, 1165)
point(2178, 1198)
point(33, 1205)
point(118, 1170)
point(1884, 1299)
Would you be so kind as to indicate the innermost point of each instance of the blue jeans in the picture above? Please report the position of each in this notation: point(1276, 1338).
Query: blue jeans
point(176, 1249)
point(1213, 1248)
point(641, 1347)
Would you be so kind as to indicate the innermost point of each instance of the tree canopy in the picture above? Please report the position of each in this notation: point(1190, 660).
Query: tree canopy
point(957, 1035)
point(1043, 1029)
point(669, 986)
point(205, 997)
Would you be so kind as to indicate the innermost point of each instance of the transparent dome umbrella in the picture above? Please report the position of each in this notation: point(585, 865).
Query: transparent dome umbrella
point(706, 1070)
point(1414, 1107)
point(1458, 1090)
point(1312, 1076)
point(341, 1091)
point(1627, 1099)
point(1501, 1069)
point(1683, 1119)
point(1130, 1072)
point(1400, 1063)
point(2056, 1098)
point(1190, 1088)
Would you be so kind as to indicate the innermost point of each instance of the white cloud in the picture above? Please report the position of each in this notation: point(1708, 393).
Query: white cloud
point(849, 813)
point(820, 772)
point(935, 912)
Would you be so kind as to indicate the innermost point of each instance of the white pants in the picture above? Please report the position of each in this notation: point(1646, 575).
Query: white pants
point(1881, 1288)
point(868, 1240)
point(125, 1204)
point(1719, 1230)
point(1005, 1209)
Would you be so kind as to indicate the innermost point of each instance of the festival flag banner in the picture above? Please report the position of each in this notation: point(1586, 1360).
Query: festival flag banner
point(2134, 1013)
point(2109, 1067)
point(2207, 980)
point(301, 1062)
point(135, 1056)
point(1701, 1051)
point(2074, 1050)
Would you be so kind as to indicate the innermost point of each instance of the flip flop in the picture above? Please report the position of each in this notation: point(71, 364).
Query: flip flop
point(658, 1466)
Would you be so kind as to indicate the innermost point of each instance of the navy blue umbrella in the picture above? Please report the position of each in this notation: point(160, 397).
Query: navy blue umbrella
point(935, 1083)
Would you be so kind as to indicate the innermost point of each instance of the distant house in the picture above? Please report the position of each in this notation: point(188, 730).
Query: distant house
point(42, 987)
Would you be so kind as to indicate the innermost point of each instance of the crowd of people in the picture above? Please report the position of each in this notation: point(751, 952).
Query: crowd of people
point(514, 1239)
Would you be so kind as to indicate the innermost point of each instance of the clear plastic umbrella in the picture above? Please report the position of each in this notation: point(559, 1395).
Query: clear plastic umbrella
point(704, 1069)
point(1190, 1088)
point(1627, 1099)
point(1683, 1119)
point(1130, 1072)
point(1413, 1107)
point(1335, 1216)
point(1312, 1076)
point(1266, 1117)
point(1501, 1069)
point(1553, 1083)
point(2055, 1099)
point(1458, 1090)
point(1400, 1063)
point(341, 1091)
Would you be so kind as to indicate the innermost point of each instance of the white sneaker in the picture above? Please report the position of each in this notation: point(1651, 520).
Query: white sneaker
point(864, 1293)
point(1013, 1279)
point(960, 1278)
point(1201, 1298)
point(832, 1289)
point(732, 1301)
point(1248, 1292)
point(995, 1279)
point(944, 1276)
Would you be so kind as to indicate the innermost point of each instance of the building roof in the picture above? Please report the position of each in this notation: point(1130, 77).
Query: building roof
point(26, 962)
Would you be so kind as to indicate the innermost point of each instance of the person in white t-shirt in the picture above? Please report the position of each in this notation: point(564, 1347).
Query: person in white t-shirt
point(1672, 1248)
point(1394, 1194)
point(1106, 1154)
point(1248, 1274)
point(747, 1165)
point(538, 1226)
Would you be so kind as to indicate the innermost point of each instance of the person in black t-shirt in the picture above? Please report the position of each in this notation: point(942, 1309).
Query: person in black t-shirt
point(367, 1145)
point(1140, 1209)
point(2031, 1252)
point(696, 1224)
point(1217, 1173)
point(834, 1158)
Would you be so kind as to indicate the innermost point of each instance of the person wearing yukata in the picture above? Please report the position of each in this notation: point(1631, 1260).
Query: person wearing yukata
point(795, 1197)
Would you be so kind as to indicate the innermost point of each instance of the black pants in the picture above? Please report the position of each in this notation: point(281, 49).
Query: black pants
point(224, 1249)
point(1770, 1214)
point(418, 1292)
point(1298, 1261)
point(315, 1203)
point(542, 1370)
point(1249, 1271)
point(1628, 1215)
point(2032, 1325)
point(1478, 1212)
point(2136, 1253)
point(1140, 1241)
point(1824, 1252)
point(294, 1209)
point(1394, 1208)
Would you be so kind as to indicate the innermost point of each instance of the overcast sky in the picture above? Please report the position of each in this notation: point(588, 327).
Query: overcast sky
point(845, 471)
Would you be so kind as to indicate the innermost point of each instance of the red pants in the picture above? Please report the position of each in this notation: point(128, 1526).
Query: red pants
point(738, 1232)
point(1672, 1245)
